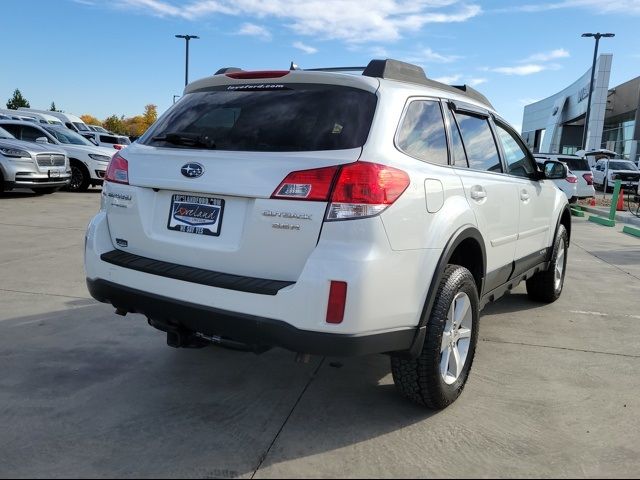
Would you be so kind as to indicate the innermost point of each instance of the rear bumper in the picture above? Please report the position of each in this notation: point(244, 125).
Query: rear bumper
point(249, 329)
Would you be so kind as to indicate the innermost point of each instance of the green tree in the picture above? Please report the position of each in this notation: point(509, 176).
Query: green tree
point(17, 101)
point(115, 124)
point(53, 107)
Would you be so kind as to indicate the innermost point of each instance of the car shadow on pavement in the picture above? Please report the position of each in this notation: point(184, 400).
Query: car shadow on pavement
point(511, 303)
point(87, 393)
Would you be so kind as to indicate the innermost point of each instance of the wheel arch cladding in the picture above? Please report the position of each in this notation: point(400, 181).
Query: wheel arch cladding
point(565, 219)
point(465, 248)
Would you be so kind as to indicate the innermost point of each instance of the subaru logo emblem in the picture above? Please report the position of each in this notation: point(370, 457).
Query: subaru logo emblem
point(192, 170)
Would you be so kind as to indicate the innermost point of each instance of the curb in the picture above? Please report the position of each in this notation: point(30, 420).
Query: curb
point(605, 214)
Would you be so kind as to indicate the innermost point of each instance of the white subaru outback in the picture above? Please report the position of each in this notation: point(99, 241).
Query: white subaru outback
point(332, 214)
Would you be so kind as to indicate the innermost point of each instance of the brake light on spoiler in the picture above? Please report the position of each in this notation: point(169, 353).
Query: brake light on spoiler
point(355, 190)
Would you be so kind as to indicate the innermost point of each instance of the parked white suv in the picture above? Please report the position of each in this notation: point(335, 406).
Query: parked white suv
point(329, 214)
point(88, 161)
point(578, 166)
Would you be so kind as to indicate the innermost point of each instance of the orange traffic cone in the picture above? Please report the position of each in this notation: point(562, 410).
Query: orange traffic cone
point(620, 206)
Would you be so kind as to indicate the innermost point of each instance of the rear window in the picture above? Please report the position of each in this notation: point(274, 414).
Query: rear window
point(579, 164)
point(270, 118)
point(108, 139)
point(622, 166)
point(124, 141)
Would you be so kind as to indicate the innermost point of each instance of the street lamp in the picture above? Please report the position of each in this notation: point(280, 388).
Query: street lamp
point(597, 36)
point(186, 61)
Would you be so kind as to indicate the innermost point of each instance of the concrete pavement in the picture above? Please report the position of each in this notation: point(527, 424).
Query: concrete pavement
point(554, 390)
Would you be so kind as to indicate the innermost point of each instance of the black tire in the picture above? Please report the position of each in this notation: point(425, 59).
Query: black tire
point(46, 191)
point(80, 178)
point(420, 380)
point(542, 287)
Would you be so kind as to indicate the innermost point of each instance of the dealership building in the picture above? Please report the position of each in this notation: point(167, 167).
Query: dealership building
point(556, 124)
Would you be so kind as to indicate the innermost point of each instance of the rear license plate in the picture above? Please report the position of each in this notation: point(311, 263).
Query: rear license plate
point(194, 214)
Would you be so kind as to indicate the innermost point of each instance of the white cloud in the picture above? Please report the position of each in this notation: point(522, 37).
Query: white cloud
point(304, 48)
point(627, 7)
point(254, 30)
point(353, 21)
point(520, 69)
point(427, 55)
point(547, 56)
point(449, 79)
point(474, 82)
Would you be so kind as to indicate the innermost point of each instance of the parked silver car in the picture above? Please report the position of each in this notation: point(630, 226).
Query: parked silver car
point(43, 168)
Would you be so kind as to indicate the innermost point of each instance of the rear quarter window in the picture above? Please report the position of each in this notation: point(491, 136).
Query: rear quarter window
point(275, 118)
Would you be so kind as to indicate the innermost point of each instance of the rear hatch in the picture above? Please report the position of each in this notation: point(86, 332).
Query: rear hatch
point(205, 174)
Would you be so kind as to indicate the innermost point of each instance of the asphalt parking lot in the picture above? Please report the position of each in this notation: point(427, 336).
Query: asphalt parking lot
point(554, 392)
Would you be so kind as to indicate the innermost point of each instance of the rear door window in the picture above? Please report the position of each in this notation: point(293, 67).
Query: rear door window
point(480, 146)
point(272, 118)
point(422, 134)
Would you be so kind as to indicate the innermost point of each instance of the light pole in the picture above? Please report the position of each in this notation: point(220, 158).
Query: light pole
point(186, 60)
point(597, 36)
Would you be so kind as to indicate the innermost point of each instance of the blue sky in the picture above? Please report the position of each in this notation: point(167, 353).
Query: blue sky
point(115, 56)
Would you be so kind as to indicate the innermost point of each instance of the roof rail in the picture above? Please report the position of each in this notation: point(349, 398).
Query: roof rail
point(407, 72)
point(336, 69)
point(473, 93)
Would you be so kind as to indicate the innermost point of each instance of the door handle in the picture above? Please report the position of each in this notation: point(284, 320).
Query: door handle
point(478, 192)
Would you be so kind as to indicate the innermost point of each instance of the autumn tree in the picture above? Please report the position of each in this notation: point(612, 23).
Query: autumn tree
point(17, 101)
point(90, 119)
point(115, 124)
point(150, 115)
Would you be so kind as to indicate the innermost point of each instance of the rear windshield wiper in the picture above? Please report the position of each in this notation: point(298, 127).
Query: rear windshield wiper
point(186, 139)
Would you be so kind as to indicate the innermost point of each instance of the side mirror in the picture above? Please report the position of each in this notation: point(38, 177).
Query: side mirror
point(555, 170)
point(42, 140)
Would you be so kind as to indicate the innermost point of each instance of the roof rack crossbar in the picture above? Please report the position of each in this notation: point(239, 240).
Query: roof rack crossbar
point(336, 69)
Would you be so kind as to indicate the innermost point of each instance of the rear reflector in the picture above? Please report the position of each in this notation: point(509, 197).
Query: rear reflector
point(337, 301)
point(589, 178)
point(314, 185)
point(118, 170)
point(258, 74)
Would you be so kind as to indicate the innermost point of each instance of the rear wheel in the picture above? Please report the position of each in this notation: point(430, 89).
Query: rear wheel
point(437, 377)
point(547, 286)
point(80, 178)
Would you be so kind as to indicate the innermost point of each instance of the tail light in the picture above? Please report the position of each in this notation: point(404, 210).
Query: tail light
point(118, 170)
point(337, 300)
point(314, 185)
point(356, 190)
point(118, 147)
point(572, 179)
point(588, 178)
